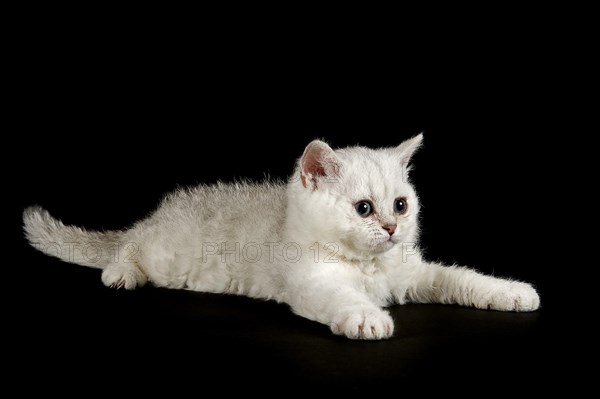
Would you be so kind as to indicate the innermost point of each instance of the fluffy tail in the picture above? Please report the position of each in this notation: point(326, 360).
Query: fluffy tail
point(69, 243)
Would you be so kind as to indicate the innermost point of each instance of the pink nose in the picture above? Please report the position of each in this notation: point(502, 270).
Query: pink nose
point(390, 228)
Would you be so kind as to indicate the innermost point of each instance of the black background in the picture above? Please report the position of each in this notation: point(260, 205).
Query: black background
point(105, 160)
point(102, 133)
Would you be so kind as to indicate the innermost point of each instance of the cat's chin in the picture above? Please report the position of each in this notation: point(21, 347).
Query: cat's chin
point(383, 246)
point(368, 251)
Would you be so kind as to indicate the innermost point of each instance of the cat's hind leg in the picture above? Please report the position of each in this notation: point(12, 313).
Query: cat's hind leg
point(123, 275)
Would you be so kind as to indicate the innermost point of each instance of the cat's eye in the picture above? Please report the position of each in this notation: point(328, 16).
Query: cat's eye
point(400, 206)
point(363, 208)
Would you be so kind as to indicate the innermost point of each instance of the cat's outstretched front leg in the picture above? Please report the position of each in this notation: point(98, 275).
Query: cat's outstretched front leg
point(434, 283)
point(345, 310)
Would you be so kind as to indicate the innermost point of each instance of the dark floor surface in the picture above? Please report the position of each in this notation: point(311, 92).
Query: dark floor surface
point(71, 327)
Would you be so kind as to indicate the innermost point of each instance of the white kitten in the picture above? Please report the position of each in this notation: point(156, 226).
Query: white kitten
point(337, 243)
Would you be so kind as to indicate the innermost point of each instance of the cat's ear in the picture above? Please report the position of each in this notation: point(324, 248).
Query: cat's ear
point(318, 161)
point(407, 148)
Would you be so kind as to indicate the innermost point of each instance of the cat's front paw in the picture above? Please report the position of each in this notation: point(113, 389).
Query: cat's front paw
point(371, 324)
point(515, 296)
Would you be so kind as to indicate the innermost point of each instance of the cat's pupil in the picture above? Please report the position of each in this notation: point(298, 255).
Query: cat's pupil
point(400, 205)
point(363, 208)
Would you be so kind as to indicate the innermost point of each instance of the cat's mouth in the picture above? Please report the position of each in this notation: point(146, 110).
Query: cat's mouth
point(395, 239)
point(380, 243)
point(384, 244)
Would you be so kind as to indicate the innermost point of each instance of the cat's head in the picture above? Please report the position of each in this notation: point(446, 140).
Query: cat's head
point(357, 198)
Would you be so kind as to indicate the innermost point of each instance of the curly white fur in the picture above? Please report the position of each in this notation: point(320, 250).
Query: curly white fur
point(302, 243)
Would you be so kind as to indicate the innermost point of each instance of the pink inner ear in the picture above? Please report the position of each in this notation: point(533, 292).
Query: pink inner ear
point(313, 165)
